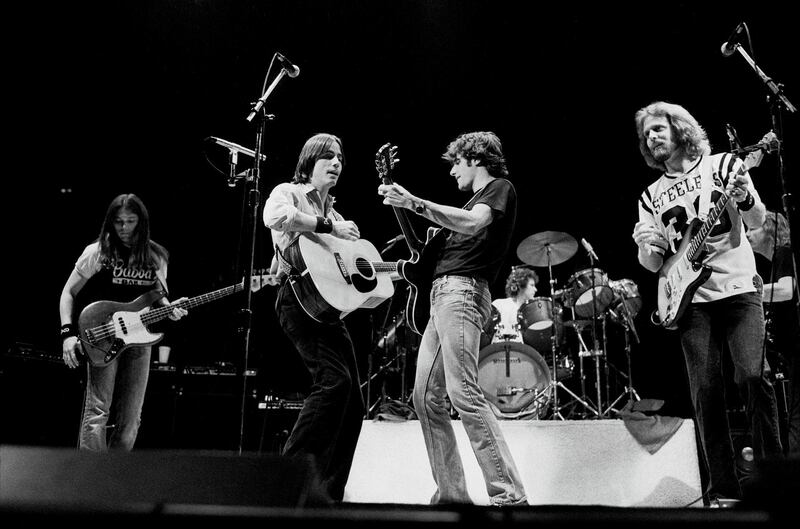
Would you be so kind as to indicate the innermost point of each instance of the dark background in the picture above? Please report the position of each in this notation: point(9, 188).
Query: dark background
point(113, 97)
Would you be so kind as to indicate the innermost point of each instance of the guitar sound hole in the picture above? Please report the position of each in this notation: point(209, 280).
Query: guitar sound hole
point(364, 268)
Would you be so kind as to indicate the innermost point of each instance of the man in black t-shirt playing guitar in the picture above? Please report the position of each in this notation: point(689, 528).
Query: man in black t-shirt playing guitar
point(467, 257)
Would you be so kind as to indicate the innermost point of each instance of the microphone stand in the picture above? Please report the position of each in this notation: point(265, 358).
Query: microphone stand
point(778, 100)
point(253, 200)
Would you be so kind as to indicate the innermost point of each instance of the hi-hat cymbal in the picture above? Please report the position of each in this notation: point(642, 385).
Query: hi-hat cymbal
point(547, 247)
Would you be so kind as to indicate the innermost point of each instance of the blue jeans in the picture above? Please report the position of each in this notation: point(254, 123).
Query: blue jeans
point(114, 391)
point(737, 321)
point(447, 366)
point(329, 423)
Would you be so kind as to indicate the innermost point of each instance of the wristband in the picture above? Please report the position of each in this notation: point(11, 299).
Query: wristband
point(67, 330)
point(324, 225)
point(747, 204)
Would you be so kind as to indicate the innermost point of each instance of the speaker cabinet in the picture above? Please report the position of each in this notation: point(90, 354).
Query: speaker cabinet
point(149, 480)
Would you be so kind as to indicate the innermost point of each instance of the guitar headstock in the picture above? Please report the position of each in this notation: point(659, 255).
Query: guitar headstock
point(768, 143)
point(258, 281)
point(385, 160)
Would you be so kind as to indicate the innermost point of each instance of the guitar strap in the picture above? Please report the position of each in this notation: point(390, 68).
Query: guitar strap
point(284, 265)
point(706, 182)
point(163, 281)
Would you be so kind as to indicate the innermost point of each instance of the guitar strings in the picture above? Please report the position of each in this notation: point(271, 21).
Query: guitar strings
point(108, 330)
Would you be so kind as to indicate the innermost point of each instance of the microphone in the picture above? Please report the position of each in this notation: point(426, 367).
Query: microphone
point(733, 138)
point(292, 70)
point(234, 147)
point(234, 159)
point(730, 45)
point(589, 250)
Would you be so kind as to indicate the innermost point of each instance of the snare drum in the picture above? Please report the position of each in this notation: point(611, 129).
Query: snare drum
point(580, 286)
point(626, 295)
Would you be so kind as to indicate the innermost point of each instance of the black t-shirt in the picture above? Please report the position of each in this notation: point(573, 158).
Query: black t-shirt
point(117, 281)
point(482, 254)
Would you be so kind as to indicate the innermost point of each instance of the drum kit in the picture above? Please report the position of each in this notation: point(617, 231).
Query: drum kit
point(521, 382)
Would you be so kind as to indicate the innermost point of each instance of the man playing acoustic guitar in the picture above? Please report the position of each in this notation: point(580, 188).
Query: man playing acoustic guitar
point(329, 423)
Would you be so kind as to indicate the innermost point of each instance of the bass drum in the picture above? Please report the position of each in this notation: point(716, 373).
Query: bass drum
point(515, 380)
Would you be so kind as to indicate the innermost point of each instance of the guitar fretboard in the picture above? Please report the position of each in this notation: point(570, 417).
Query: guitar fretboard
point(713, 215)
point(155, 315)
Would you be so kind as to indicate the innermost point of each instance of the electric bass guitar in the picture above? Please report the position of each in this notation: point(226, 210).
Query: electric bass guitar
point(340, 276)
point(107, 328)
point(418, 270)
point(682, 273)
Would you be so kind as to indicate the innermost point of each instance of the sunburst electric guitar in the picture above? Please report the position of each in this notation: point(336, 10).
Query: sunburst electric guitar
point(682, 273)
point(107, 328)
point(418, 270)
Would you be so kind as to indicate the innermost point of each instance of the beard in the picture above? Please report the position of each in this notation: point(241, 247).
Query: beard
point(661, 153)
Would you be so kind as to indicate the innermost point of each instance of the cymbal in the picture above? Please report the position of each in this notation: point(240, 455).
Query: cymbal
point(547, 247)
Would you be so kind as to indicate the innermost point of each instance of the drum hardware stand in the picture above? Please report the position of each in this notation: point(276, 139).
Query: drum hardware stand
point(584, 352)
point(555, 384)
point(630, 329)
point(596, 351)
point(399, 357)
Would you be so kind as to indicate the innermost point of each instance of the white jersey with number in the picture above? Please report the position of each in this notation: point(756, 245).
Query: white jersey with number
point(672, 202)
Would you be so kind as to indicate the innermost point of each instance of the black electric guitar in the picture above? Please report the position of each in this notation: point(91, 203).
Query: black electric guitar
point(106, 328)
point(682, 273)
point(418, 270)
point(340, 276)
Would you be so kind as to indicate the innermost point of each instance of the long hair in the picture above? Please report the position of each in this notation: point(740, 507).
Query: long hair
point(485, 147)
point(518, 280)
point(313, 150)
point(143, 252)
point(686, 131)
point(772, 220)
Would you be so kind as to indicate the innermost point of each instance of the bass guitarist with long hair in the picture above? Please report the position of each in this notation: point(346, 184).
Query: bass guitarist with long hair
point(123, 263)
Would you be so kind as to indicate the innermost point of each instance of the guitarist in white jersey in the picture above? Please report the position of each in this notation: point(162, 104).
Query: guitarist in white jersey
point(329, 423)
point(724, 311)
point(478, 238)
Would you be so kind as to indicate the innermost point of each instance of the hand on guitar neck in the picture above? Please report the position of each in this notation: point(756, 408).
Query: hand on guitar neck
point(107, 328)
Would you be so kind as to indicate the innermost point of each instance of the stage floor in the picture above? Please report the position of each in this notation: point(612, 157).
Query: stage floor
point(593, 462)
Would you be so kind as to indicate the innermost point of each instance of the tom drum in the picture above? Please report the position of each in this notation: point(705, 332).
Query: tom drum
point(581, 285)
point(626, 296)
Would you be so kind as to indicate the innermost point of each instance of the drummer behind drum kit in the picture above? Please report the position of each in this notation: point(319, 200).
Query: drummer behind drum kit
point(521, 383)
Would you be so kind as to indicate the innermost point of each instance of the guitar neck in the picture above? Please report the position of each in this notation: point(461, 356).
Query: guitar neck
point(405, 226)
point(713, 215)
point(379, 266)
point(156, 315)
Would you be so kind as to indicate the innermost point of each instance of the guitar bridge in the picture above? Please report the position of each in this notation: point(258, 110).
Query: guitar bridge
point(342, 268)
